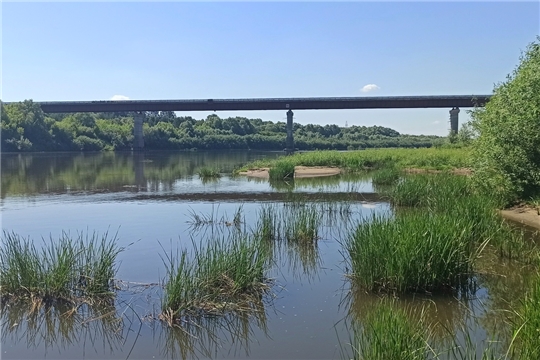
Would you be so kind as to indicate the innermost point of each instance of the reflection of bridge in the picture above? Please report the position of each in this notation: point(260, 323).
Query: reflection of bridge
point(289, 104)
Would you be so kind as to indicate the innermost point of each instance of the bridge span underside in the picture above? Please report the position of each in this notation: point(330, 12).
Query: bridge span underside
point(288, 104)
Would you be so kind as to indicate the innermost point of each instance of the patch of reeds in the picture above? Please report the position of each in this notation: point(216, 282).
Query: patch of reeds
point(389, 333)
point(268, 225)
point(283, 169)
point(413, 252)
point(65, 269)
point(225, 274)
point(386, 176)
point(208, 173)
point(526, 338)
point(302, 224)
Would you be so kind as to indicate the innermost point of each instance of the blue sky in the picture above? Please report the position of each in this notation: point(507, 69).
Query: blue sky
point(181, 50)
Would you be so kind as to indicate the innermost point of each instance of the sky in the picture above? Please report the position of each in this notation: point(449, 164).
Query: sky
point(75, 51)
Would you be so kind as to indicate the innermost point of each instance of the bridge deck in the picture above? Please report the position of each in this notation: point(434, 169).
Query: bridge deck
point(387, 102)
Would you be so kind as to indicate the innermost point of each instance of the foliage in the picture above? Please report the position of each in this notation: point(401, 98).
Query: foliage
point(527, 329)
point(506, 154)
point(26, 128)
point(282, 170)
point(65, 269)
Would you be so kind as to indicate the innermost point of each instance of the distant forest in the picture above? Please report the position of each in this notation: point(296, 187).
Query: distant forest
point(25, 127)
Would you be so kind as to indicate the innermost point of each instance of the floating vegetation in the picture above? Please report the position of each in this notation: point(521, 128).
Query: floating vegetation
point(66, 269)
point(201, 219)
point(224, 274)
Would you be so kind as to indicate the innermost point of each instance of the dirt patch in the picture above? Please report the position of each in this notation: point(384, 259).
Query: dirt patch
point(524, 214)
point(457, 171)
point(299, 172)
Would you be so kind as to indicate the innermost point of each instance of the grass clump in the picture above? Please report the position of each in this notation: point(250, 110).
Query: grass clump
point(225, 274)
point(388, 332)
point(527, 329)
point(302, 224)
point(66, 269)
point(283, 169)
point(412, 252)
point(208, 173)
point(388, 176)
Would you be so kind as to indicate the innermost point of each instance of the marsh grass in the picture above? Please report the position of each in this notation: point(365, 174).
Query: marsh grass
point(386, 176)
point(281, 170)
point(413, 252)
point(207, 173)
point(388, 332)
point(224, 274)
point(526, 337)
point(302, 224)
point(65, 269)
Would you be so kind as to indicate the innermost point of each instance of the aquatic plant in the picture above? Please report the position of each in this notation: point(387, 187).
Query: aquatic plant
point(412, 252)
point(526, 337)
point(224, 274)
point(64, 269)
point(386, 176)
point(302, 224)
point(208, 173)
point(389, 333)
point(283, 169)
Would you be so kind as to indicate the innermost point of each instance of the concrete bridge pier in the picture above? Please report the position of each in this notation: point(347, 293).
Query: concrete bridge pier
point(138, 139)
point(289, 149)
point(454, 120)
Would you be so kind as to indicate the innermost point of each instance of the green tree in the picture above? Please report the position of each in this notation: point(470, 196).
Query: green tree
point(507, 152)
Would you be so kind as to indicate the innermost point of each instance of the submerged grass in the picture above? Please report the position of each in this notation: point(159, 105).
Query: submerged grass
point(66, 269)
point(225, 274)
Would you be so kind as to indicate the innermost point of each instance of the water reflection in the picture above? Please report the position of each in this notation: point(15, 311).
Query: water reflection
point(210, 337)
point(61, 327)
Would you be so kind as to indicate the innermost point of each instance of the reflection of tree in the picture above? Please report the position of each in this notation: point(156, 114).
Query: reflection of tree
point(27, 174)
point(60, 326)
point(207, 336)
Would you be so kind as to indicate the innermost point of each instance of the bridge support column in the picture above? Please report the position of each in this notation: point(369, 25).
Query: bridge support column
point(454, 120)
point(138, 139)
point(289, 149)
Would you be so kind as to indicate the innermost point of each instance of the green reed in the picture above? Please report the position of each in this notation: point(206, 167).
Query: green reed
point(283, 169)
point(412, 252)
point(221, 275)
point(62, 269)
point(208, 173)
point(389, 333)
point(526, 337)
point(302, 224)
point(386, 176)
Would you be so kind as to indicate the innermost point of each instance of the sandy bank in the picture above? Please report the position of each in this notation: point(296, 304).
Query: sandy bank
point(523, 214)
point(299, 172)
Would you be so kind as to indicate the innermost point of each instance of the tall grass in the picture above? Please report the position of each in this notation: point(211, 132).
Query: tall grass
point(412, 252)
point(389, 333)
point(429, 158)
point(64, 269)
point(208, 173)
point(387, 176)
point(527, 328)
point(223, 274)
point(282, 169)
point(302, 224)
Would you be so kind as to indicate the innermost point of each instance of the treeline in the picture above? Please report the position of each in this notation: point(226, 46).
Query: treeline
point(25, 127)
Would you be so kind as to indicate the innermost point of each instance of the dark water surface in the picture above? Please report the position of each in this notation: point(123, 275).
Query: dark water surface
point(148, 200)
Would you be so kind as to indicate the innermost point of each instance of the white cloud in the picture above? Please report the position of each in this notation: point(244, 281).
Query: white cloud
point(369, 88)
point(436, 122)
point(119, 97)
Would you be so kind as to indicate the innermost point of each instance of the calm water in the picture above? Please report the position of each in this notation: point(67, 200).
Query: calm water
point(148, 200)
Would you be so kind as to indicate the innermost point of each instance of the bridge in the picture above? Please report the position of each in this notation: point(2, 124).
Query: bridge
point(387, 102)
